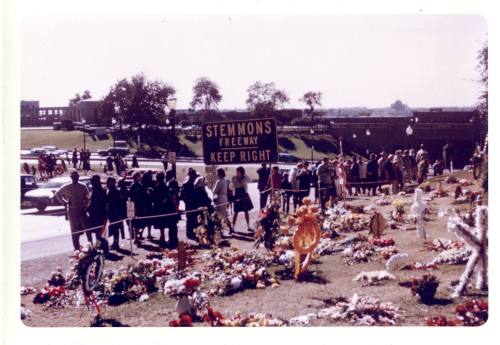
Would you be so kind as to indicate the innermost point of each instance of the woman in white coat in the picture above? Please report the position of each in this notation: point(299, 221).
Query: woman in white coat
point(220, 193)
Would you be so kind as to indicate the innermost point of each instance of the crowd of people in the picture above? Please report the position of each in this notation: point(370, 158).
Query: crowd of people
point(157, 198)
point(333, 179)
point(156, 203)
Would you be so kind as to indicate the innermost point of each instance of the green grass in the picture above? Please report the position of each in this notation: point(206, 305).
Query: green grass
point(61, 139)
point(69, 140)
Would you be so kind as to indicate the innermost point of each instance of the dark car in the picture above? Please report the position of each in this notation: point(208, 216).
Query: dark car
point(122, 151)
point(287, 158)
point(28, 182)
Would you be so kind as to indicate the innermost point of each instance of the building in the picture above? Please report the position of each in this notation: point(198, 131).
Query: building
point(32, 115)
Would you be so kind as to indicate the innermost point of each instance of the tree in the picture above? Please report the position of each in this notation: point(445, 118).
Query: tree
point(205, 95)
point(137, 101)
point(311, 99)
point(263, 99)
point(78, 98)
point(482, 58)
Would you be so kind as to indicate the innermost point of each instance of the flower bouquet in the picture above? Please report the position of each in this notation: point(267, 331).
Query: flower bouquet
point(425, 287)
point(268, 226)
point(209, 233)
point(470, 313)
point(398, 210)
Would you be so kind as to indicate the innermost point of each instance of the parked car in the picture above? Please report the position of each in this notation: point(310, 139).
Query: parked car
point(43, 196)
point(36, 151)
point(49, 149)
point(122, 151)
point(28, 182)
point(287, 158)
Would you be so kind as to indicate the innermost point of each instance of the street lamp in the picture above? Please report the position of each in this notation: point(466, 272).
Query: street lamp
point(409, 132)
point(312, 146)
point(83, 129)
point(113, 122)
point(171, 104)
point(368, 133)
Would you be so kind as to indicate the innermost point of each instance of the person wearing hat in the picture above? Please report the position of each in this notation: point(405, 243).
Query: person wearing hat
point(75, 196)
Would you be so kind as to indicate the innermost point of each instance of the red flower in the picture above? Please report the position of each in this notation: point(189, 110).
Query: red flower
point(186, 321)
point(174, 323)
point(192, 283)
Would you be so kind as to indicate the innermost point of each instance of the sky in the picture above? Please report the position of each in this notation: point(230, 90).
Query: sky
point(355, 61)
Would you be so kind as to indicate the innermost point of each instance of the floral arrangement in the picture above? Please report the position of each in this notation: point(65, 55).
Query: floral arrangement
point(464, 182)
point(182, 287)
point(268, 226)
point(213, 317)
point(426, 186)
point(184, 320)
point(454, 256)
point(397, 262)
point(383, 201)
point(340, 219)
point(382, 242)
point(357, 253)
point(253, 320)
point(209, 233)
point(450, 179)
point(440, 244)
point(421, 266)
point(425, 287)
point(374, 277)
point(367, 311)
point(387, 252)
point(27, 290)
point(52, 296)
point(470, 313)
point(233, 270)
point(57, 278)
point(25, 313)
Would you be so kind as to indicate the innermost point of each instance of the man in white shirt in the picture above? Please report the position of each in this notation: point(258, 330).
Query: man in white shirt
point(75, 196)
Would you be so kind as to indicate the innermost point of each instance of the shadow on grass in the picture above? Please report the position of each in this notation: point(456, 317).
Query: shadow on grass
point(438, 301)
point(307, 277)
point(99, 322)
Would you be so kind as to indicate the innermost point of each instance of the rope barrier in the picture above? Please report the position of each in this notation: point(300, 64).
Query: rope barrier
point(128, 219)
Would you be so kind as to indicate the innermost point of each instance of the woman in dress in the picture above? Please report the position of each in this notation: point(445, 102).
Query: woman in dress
point(220, 197)
point(242, 202)
point(116, 209)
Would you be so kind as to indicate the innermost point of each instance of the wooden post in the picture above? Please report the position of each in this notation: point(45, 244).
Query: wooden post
point(181, 256)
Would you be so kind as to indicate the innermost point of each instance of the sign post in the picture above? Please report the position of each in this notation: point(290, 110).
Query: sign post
point(240, 142)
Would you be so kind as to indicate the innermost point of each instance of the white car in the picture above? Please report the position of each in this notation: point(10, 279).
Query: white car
point(45, 195)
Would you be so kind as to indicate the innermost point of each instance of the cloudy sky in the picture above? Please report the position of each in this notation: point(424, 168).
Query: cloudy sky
point(353, 60)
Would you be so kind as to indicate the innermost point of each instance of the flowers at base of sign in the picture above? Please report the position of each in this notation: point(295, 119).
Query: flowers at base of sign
point(374, 277)
point(425, 287)
point(470, 313)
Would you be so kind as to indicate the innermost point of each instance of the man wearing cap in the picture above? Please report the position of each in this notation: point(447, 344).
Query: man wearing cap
point(75, 196)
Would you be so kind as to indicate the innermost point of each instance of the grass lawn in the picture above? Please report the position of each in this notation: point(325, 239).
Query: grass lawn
point(69, 140)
